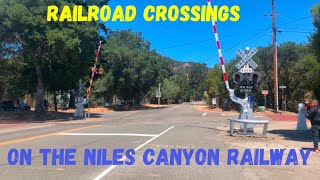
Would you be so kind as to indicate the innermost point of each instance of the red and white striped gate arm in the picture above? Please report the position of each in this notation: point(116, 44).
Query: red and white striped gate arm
point(94, 67)
point(214, 26)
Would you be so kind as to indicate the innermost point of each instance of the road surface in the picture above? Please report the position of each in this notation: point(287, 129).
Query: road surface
point(172, 127)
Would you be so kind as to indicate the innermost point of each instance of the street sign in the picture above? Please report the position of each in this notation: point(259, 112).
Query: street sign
point(246, 86)
point(252, 64)
point(283, 97)
point(246, 59)
point(245, 90)
point(214, 101)
point(240, 53)
point(265, 92)
point(246, 69)
point(158, 94)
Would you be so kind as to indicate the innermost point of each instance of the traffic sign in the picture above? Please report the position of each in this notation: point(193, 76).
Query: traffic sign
point(158, 94)
point(246, 59)
point(265, 92)
point(246, 86)
point(252, 64)
point(246, 69)
point(282, 87)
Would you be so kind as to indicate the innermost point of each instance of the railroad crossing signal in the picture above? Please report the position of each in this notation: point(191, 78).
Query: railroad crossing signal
point(239, 77)
point(246, 81)
point(246, 59)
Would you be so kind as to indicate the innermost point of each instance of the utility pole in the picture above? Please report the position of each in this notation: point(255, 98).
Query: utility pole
point(275, 59)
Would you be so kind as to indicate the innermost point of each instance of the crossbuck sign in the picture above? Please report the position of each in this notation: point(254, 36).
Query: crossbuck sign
point(246, 59)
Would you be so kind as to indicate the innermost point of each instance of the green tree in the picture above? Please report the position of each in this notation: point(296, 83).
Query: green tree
point(130, 63)
point(298, 71)
point(56, 51)
point(183, 79)
point(213, 82)
point(197, 77)
point(170, 89)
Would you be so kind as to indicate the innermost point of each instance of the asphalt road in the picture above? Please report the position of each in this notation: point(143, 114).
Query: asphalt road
point(173, 127)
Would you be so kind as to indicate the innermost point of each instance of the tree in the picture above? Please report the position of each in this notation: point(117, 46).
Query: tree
point(132, 69)
point(197, 77)
point(103, 87)
point(56, 51)
point(298, 71)
point(213, 82)
point(170, 89)
point(182, 78)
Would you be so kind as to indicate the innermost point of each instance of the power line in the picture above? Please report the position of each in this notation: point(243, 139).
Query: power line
point(236, 44)
point(307, 32)
point(232, 35)
point(298, 26)
point(207, 40)
point(298, 29)
point(297, 20)
point(186, 44)
point(290, 22)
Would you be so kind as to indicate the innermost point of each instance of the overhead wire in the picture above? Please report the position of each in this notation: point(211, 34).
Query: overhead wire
point(260, 31)
point(236, 45)
point(207, 40)
point(290, 22)
point(297, 20)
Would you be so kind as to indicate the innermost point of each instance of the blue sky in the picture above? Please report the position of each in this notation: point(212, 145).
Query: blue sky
point(193, 41)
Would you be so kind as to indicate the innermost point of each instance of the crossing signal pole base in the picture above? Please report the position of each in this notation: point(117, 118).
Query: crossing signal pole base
point(246, 112)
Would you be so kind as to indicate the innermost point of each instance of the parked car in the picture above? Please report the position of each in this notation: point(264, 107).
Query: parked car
point(7, 106)
point(24, 107)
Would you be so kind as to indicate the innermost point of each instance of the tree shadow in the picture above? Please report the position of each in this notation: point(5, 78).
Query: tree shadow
point(293, 135)
point(13, 117)
point(134, 107)
point(202, 127)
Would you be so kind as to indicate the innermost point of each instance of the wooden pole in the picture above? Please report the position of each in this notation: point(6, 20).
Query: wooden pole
point(275, 59)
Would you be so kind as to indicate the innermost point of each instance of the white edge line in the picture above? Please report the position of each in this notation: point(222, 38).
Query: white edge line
point(204, 114)
point(106, 134)
point(124, 157)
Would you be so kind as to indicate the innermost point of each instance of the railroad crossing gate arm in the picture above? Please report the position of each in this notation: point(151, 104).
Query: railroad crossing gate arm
point(242, 102)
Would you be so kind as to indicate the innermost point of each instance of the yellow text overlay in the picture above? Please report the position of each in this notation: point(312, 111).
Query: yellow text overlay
point(150, 13)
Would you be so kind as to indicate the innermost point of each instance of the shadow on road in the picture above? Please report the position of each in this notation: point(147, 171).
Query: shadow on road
point(293, 135)
point(135, 107)
point(12, 117)
point(202, 127)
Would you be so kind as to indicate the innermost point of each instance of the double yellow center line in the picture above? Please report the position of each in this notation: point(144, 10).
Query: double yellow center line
point(45, 135)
